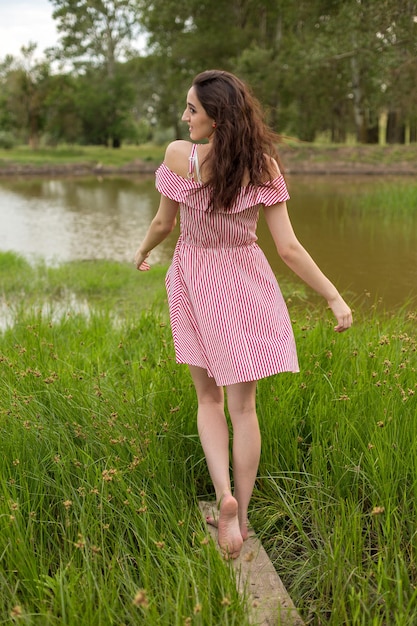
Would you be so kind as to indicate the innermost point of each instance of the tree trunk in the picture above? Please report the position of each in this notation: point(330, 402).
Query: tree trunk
point(407, 132)
point(358, 109)
point(382, 127)
point(177, 129)
point(33, 131)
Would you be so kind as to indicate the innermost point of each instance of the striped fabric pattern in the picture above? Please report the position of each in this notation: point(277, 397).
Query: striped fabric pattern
point(226, 309)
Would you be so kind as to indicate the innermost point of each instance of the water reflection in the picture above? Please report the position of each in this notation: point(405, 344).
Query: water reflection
point(69, 219)
point(360, 250)
point(63, 220)
point(68, 304)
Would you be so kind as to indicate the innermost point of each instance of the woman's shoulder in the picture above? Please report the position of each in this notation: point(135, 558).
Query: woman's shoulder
point(176, 156)
point(272, 169)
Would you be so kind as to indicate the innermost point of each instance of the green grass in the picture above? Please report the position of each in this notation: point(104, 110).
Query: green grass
point(102, 467)
point(336, 499)
point(112, 284)
point(389, 155)
point(388, 204)
point(23, 155)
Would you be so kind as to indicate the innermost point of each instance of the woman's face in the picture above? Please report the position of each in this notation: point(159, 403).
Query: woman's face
point(199, 123)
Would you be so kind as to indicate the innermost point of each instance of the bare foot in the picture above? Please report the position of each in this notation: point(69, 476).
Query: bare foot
point(229, 537)
point(244, 530)
point(244, 526)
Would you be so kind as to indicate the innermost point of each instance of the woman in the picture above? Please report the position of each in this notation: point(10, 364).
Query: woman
point(229, 321)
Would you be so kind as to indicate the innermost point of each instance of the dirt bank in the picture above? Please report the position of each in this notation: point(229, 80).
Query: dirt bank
point(372, 160)
point(74, 169)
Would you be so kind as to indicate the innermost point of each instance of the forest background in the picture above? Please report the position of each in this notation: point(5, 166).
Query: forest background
point(327, 70)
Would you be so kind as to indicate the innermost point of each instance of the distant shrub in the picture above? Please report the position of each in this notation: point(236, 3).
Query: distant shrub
point(7, 140)
point(143, 132)
point(162, 136)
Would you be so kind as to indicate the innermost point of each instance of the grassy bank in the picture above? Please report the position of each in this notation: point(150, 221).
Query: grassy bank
point(296, 156)
point(73, 155)
point(102, 468)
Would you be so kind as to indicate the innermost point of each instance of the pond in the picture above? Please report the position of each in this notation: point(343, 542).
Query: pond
point(362, 251)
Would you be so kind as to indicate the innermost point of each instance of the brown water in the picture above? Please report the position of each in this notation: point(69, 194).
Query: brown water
point(68, 219)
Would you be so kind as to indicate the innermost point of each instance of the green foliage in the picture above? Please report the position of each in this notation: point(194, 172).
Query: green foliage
point(25, 86)
point(317, 66)
point(63, 120)
point(102, 30)
point(102, 103)
point(7, 140)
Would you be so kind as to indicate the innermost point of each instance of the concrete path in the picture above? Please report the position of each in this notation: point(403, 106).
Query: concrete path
point(269, 602)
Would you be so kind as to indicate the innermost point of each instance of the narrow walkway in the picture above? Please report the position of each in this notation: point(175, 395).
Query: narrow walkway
point(269, 602)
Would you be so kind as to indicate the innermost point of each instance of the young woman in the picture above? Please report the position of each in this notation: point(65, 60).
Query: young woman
point(229, 321)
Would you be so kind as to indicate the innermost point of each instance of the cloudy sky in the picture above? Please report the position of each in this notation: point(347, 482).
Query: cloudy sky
point(22, 21)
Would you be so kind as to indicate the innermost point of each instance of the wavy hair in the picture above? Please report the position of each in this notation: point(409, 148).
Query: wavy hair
point(241, 140)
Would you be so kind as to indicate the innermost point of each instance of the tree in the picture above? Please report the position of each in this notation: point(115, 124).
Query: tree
point(186, 37)
point(318, 66)
point(62, 119)
point(362, 40)
point(95, 31)
point(400, 87)
point(99, 34)
point(25, 83)
point(7, 120)
point(102, 113)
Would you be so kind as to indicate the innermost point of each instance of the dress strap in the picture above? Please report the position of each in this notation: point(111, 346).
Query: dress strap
point(193, 164)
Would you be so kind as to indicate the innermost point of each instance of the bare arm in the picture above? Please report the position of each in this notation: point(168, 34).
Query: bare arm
point(300, 262)
point(176, 159)
point(161, 226)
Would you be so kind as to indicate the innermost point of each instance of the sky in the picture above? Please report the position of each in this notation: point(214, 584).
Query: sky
point(22, 21)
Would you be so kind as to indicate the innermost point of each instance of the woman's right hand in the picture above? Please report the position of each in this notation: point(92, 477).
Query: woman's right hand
point(140, 261)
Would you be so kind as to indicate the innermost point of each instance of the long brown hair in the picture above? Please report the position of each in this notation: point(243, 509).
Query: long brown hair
point(241, 139)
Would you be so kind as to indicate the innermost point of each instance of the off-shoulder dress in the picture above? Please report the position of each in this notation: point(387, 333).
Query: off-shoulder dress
point(227, 312)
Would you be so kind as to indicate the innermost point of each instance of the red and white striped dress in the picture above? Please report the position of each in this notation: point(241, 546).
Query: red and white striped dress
point(227, 312)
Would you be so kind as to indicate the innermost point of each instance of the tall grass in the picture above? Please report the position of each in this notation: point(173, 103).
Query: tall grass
point(102, 468)
point(336, 498)
point(388, 202)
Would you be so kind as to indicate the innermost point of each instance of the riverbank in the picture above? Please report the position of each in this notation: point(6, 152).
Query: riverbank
point(297, 158)
point(350, 160)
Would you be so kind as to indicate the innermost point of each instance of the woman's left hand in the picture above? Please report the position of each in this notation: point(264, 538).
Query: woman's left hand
point(140, 261)
point(342, 313)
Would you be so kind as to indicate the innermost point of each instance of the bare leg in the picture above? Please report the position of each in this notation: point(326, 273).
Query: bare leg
point(241, 400)
point(214, 437)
